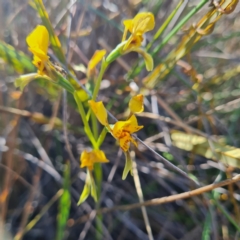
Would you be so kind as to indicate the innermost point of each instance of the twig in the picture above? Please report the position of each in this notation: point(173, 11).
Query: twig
point(140, 196)
point(8, 180)
point(162, 200)
point(32, 223)
point(169, 164)
point(28, 205)
point(171, 121)
point(229, 106)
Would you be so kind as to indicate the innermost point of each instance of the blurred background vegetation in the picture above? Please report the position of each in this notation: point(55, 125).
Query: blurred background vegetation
point(191, 118)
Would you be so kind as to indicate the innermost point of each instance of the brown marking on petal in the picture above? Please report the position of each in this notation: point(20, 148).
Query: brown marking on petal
point(125, 146)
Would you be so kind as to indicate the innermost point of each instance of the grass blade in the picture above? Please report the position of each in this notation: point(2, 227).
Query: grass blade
point(17, 59)
point(64, 204)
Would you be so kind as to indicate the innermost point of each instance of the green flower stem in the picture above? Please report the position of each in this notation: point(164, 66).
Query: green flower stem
point(99, 79)
point(136, 71)
point(94, 97)
point(59, 80)
point(94, 126)
point(85, 122)
point(102, 137)
point(98, 83)
point(97, 166)
point(65, 84)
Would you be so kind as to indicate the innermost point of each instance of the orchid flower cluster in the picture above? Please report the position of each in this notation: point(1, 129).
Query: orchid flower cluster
point(38, 42)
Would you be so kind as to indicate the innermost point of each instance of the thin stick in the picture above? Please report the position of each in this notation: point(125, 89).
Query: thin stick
point(140, 196)
point(229, 106)
point(171, 121)
point(8, 179)
point(162, 200)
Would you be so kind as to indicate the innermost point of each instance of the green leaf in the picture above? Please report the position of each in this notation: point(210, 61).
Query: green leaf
point(89, 187)
point(64, 204)
point(115, 53)
point(218, 151)
point(17, 59)
point(24, 80)
point(207, 228)
point(93, 187)
point(60, 80)
point(53, 77)
point(128, 165)
point(85, 193)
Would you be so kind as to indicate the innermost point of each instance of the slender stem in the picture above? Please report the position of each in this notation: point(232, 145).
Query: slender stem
point(98, 167)
point(94, 126)
point(45, 208)
point(99, 79)
point(85, 122)
point(98, 83)
point(102, 137)
point(65, 84)
point(163, 200)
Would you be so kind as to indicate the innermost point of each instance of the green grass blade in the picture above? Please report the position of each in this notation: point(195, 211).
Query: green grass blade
point(64, 204)
point(165, 24)
point(207, 228)
point(17, 59)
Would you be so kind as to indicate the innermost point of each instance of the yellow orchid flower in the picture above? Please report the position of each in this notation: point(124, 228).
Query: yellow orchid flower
point(140, 24)
point(96, 58)
point(38, 41)
point(89, 158)
point(136, 104)
point(121, 130)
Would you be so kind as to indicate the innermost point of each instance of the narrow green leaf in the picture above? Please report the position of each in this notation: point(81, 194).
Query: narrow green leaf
point(207, 228)
point(93, 187)
point(89, 187)
point(64, 204)
point(53, 77)
point(62, 82)
point(128, 166)
point(24, 80)
point(85, 194)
